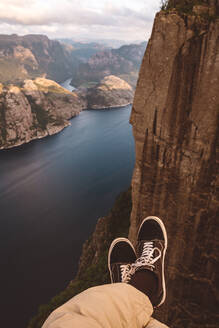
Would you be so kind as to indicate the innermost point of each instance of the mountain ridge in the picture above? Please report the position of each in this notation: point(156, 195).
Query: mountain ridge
point(34, 55)
point(123, 62)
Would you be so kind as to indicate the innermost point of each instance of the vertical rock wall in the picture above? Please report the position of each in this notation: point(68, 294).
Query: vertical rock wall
point(175, 125)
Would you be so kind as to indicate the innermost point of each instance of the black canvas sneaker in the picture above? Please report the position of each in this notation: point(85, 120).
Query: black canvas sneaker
point(151, 249)
point(121, 257)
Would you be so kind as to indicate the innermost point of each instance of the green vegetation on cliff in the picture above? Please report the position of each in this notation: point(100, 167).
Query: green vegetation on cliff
point(184, 5)
point(93, 269)
point(205, 8)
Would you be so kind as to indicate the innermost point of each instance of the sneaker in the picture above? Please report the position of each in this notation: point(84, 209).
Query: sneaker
point(151, 249)
point(120, 258)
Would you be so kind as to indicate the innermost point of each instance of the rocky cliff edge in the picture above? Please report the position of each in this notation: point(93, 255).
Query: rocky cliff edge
point(34, 110)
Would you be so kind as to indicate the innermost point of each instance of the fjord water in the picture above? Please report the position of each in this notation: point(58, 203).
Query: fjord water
point(51, 193)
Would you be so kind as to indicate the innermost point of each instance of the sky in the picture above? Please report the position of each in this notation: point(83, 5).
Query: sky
point(128, 20)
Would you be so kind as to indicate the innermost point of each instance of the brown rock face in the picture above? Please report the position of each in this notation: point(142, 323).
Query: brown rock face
point(175, 125)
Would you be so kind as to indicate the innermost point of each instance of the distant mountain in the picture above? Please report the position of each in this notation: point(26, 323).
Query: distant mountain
point(106, 43)
point(31, 56)
point(83, 51)
point(123, 62)
point(112, 43)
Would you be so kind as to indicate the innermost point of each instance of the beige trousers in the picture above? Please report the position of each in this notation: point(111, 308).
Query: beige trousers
point(108, 306)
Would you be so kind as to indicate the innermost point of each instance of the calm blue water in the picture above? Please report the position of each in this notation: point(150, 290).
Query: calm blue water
point(51, 193)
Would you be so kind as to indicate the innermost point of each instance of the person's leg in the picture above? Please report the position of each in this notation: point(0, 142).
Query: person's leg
point(126, 302)
point(151, 250)
point(117, 305)
point(146, 273)
point(108, 306)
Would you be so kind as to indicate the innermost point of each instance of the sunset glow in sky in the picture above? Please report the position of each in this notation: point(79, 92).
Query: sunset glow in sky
point(127, 20)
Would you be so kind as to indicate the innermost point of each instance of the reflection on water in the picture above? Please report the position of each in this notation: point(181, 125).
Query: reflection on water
point(51, 193)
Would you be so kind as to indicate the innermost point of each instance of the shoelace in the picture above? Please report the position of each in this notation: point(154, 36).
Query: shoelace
point(147, 256)
point(127, 270)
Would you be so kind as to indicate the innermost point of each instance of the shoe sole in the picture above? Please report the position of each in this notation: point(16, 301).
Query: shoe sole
point(164, 252)
point(115, 241)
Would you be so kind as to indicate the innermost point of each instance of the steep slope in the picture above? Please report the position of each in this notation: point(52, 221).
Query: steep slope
point(175, 125)
point(35, 110)
point(31, 56)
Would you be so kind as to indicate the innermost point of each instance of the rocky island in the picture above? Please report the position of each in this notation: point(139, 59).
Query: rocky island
point(110, 92)
point(33, 110)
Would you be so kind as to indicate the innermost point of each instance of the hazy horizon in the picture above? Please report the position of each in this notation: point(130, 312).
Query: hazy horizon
point(82, 40)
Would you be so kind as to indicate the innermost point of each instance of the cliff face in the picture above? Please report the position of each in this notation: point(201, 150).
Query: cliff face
point(35, 110)
point(175, 125)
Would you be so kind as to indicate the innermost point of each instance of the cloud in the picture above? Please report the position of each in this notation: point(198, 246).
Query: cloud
point(92, 16)
point(66, 13)
point(18, 3)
